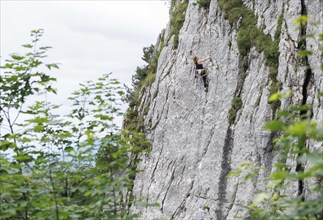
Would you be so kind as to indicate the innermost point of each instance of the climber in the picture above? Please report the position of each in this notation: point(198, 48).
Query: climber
point(200, 69)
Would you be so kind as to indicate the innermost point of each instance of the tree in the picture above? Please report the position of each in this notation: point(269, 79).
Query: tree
point(78, 166)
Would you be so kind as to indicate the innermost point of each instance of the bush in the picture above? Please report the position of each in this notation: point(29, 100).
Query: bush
point(175, 41)
point(247, 16)
point(149, 79)
point(144, 77)
point(177, 19)
point(227, 5)
point(244, 42)
point(204, 3)
point(236, 105)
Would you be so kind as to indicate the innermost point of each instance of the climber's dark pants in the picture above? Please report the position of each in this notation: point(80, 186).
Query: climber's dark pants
point(205, 81)
point(202, 73)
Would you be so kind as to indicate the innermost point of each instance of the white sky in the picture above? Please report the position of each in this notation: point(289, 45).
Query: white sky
point(89, 38)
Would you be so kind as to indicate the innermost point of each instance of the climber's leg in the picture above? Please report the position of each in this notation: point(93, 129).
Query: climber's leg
point(206, 84)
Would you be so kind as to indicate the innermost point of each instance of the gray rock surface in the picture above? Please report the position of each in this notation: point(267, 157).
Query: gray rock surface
point(194, 145)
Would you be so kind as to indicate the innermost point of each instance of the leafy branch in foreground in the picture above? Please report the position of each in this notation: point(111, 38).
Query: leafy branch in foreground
point(22, 77)
point(78, 166)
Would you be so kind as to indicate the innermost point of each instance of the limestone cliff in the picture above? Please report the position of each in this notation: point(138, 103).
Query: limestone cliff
point(197, 136)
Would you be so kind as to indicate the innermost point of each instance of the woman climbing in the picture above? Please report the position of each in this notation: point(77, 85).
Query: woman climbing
point(200, 69)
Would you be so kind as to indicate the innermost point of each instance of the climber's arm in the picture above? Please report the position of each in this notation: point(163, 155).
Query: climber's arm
point(202, 60)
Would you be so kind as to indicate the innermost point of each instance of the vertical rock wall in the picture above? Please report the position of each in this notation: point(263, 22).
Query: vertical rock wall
point(194, 143)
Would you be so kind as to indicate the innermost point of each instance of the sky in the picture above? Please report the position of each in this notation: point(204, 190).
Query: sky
point(89, 38)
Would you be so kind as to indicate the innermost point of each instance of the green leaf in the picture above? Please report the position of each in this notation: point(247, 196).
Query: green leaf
point(115, 82)
point(52, 65)
point(38, 120)
point(38, 128)
point(274, 125)
point(313, 158)
point(259, 199)
point(68, 149)
point(279, 175)
point(26, 140)
point(275, 97)
point(27, 45)
point(121, 93)
point(51, 89)
point(301, 20)
point(304, 175)
point(7, 66)
point(17, 57)
point(234, 173)
point(304, 53)
point(45, 48)
point(320, 37)
point(23, 158)
point(4, 145)
point(299, 129)
point(103, 117)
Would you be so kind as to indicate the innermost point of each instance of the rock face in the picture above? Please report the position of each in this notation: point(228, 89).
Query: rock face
point(194, 143)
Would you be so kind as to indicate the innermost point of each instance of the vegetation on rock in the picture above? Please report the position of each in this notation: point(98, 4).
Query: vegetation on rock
point(235, 106)
point(249, 35)
point(203, 3)
point(177, 19)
